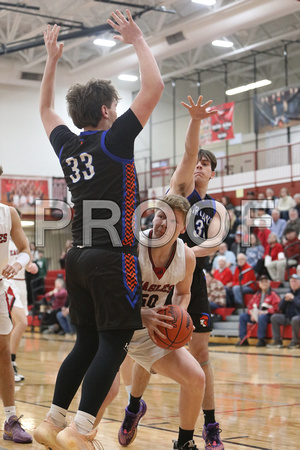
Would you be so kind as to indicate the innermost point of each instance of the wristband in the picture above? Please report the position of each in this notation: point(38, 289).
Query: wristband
point(23, 259)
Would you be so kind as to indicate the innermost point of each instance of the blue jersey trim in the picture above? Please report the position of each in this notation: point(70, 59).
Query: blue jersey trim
point(132, 296)
point(59, 155)
point(110, 155)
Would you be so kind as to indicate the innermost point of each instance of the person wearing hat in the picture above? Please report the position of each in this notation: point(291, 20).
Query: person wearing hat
point(289, 314)
point(262, 305)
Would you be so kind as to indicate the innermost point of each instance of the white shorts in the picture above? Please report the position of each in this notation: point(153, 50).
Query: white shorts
point(5, 322)
point(144, 351)
point(17, 289)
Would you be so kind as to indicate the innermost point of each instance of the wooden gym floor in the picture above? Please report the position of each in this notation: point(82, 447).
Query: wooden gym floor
point(257, 398)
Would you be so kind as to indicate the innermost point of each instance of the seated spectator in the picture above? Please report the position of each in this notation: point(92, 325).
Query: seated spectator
point(262, 232)
point(263, 304)
point(278, 224)
point(62, 259)
point(261, 201)
point(255, 252)
point(293, 221)
point(285, 202)
point(291, 256)
point(243, 280)
point(289, 314)
point(234, 222)
point(271, 200)
point(215, 292)
point(223, 273)
point(229, 255)
point(238, 246)
point(272, 251)
point(54, 301)
point(248, 205)
point(227, 203)
point(297, 205)
point(64, 320)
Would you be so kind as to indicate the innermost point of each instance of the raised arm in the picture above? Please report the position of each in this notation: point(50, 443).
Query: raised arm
point(151, 82)
point(47, 92)
point(182, 181)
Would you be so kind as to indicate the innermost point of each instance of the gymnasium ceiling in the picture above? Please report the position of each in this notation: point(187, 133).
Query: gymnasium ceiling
point(179, 32)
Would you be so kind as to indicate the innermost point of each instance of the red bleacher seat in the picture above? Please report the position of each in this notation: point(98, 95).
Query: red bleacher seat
point(224, 312)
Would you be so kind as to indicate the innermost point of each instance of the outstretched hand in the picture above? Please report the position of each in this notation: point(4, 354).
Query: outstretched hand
point(198, 111)
point(128, 29)
point(54, 49)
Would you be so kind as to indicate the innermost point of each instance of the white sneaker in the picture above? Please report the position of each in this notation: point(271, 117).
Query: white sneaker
point(18, 376)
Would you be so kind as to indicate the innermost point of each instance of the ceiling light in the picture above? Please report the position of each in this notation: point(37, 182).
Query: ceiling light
point(27, 223)
point(205, 2)
point(104, 42)
point(125, 77)
point(220, 43)
point(248, 87)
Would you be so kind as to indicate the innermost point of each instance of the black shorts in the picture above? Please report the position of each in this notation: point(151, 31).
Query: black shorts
point(104, 288)
point(199, 307)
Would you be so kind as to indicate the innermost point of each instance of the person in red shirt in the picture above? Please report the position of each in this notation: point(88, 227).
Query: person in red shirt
point(262, 305)
point(247, 275)
point(223, 273)
point(291, 250)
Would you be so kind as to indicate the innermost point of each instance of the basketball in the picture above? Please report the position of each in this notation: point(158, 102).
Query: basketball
point(180, 334)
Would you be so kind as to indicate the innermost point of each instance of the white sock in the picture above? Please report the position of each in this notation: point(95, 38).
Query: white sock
point(58, 415)
point(84, 422)
point(9, 411)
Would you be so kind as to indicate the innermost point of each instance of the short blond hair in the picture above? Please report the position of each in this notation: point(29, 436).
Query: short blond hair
point(177, 203)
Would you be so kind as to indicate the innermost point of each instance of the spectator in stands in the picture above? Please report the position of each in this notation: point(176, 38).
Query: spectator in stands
point(285, 202)
point(271, 200)
point(293, 221)
point(272, 251)
point(229, 255)
point(243, 280)
point(263, 233)
point(255, 252)
point(249, 204)
point(291, 256)
point(234, 222)
point(215, 292)
point(261, 201)
point(226, 202)
point(42, 264)
point(278, 224)
point(56, 299)
point(33, 250)
point(297, 201)
point(238, 246)
point(62, 259)
point(289, 312)
point(262, 305)
point(64, 320)
point(223, 273)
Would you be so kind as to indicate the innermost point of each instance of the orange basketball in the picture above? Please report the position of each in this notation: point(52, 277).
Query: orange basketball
point(180, 334)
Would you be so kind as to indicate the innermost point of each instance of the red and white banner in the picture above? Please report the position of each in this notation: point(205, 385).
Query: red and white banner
point(218, 127)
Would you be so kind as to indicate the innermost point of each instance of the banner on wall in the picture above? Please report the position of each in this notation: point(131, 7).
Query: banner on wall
point(218, 127)
point(21, 193)
point(277, 110)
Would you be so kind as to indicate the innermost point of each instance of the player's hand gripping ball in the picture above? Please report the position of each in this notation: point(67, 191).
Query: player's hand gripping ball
point(181, 332)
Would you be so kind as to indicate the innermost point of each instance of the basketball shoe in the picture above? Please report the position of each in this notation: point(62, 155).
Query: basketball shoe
point(128, 430)
point(189, 444)
point(211, 435)
point(13, 431)
point(70, 438)
point(45, 434)
point(18, 376)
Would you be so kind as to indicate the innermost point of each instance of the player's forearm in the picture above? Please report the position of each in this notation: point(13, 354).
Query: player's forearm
point(192, 140)
point(151, 80)
point(181, 300)
point(47, 92)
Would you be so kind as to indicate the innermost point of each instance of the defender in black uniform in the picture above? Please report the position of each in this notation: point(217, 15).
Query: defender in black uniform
point(103, 275)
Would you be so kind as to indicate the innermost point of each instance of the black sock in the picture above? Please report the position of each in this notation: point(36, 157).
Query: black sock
point(209, 415)
point(134, 404)
point(184, 436)
point(13, 357)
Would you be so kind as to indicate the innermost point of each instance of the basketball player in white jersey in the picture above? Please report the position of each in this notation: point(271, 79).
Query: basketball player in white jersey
point(163, 267)
point(10, 225)
point(16, 293)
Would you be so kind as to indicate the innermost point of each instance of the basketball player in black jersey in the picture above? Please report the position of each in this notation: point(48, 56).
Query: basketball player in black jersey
point(102, 271)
